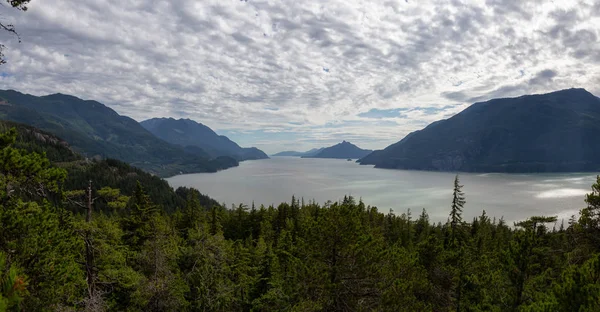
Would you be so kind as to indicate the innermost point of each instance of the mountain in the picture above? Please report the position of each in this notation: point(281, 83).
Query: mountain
point(289, 153)
point(312, 152)
point(95, 130)
point(102, 173)
point(186, 132)
point(252, 153)
point(557, 131)
point(342, 151)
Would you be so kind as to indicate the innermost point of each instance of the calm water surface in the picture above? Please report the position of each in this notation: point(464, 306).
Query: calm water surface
point(512, 196)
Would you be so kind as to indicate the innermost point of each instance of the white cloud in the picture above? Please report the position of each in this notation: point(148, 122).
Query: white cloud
point(303, 67)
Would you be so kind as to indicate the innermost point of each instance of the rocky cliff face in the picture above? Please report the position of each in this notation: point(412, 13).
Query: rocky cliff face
point(47, 138)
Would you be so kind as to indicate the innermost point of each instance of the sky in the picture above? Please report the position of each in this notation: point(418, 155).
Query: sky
point(293, 75)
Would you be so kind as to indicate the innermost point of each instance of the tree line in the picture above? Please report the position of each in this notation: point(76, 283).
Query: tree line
point(68, 244)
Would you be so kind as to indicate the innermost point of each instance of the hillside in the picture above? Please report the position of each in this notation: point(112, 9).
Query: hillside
point(186, 132)
point(38, 141)
point(102, 173)
point(95, 130)
point(313, 151)
point(534, 133)
point(309, 153)
point(289, 154)
point(341, 151)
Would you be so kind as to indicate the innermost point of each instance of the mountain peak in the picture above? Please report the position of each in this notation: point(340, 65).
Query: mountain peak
point(347, 143)
point(578, 90)
point(342, 150)
point(63, 96)
point(565, 92)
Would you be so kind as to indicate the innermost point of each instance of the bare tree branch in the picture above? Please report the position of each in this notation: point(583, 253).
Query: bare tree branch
point(19, 5)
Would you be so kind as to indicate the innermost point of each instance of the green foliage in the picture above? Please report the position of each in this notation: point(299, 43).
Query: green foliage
point(181, 251)
point(113, 197)
point(590, 216)
point(12, 285)
point(138, 224)
point(34, 233)
point(34, 140)
point(119, 175)
point(579, 287)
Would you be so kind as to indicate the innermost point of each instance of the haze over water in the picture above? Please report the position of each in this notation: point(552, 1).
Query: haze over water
point(513, 196)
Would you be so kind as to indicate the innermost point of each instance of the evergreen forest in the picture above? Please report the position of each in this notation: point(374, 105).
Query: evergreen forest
point(98, 235)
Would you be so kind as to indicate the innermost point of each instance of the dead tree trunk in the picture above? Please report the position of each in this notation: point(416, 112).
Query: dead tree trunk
point(89, 256)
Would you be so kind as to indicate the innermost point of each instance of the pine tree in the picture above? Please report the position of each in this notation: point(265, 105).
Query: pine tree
point(593, 198)
point(215, 221)
point(85, 199)
point(589, 218)
point(36, 235)
point(192, 216)
point(138, 224)
point(523, 255)
point(579, 288)
point(163, 288)
point(422, 226)
point(458, 202)
point(456, 244)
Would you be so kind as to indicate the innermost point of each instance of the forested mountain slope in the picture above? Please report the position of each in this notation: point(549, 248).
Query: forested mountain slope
point(93, 129)
point(557, 131)
point(342, 150)
point(101, 172)
point(289, 154)
point(309, 153)
point(186, 132)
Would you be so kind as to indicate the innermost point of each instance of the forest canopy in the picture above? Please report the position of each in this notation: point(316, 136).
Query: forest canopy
point(127, 241)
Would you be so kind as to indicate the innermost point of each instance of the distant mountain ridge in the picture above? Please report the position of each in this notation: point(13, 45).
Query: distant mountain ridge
point(558, 131)
point(342, 150)
point(95, 130)
point(289, 153)
point(186, 133)
point(313, 152)
point(309, 153)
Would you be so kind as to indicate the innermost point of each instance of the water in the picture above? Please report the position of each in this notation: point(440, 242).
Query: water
point(512, 196)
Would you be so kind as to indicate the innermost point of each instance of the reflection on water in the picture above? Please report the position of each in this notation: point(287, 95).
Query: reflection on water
point(562, 193)
point(512, 196)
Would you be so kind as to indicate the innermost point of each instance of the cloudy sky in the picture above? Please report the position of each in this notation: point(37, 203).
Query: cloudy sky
point(288, 74)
